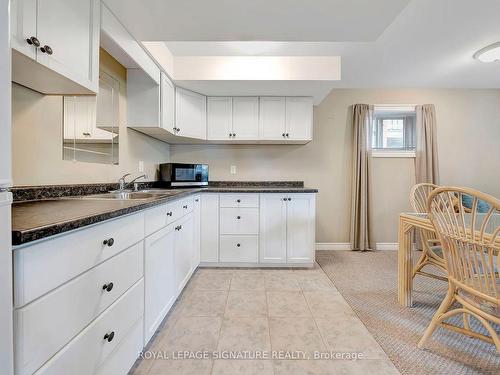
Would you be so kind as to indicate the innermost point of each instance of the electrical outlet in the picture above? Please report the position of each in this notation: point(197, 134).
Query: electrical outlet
point(233, 169)
point(141, 166)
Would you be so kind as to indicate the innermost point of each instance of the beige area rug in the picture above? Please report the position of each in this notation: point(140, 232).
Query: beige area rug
point(368, 282)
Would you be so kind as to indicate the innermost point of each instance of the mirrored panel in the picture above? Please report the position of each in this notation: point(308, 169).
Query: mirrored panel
point(91, 129)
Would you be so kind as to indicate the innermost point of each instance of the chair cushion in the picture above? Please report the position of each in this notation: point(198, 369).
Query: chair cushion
point(481, 304)
point(482, 206)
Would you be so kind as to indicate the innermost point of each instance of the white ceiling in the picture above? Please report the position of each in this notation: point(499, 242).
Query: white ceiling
point(277, 20)
point(428, 44)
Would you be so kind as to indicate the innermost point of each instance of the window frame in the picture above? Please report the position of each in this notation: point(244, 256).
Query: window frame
point(387, 152)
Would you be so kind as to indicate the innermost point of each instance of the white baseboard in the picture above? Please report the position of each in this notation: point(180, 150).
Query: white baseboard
point(387, 246)
point(333, 246)
point(391, 246)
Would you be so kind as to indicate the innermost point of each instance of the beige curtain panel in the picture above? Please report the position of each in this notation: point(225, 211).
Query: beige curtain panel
point(362, 118)
point(426, 160)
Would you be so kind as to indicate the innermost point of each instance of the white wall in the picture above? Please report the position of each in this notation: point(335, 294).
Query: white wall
point(469, 151)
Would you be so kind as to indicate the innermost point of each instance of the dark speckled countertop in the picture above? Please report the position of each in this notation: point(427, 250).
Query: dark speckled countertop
point(36, 219)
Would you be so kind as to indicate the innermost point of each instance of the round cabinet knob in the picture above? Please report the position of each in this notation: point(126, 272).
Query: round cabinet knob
point(109, 336)
point(33, 41)
point(109, 242)
point(47, 49)
point(185, 207)
point(289, 199)
point(283, 135)
point(238, 200)
point(196, 200)
point(108, 287)
point(234, 134)
point(230, 134)
point(169, 213)
point(238, 245)
point(238, 217)
point(287, 135)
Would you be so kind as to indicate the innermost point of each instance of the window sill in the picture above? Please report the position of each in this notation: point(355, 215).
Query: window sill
point(392, 154)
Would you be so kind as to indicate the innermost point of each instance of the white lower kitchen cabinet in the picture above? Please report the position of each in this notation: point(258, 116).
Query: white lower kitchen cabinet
point(272, 228)
point(184, 264)
point(209, 235)
point(87, 301)
point(160, 286)
point(300, 228)
point(287, 228)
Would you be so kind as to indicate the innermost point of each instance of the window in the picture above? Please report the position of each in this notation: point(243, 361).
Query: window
point(393, 131)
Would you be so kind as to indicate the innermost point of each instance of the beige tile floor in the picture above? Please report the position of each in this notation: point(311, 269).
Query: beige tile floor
point(264, 310)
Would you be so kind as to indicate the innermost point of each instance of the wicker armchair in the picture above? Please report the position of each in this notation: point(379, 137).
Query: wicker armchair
point(471, 243)
point(431, 248)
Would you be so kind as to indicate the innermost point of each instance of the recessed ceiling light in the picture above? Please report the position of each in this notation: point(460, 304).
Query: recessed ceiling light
point(488, 54)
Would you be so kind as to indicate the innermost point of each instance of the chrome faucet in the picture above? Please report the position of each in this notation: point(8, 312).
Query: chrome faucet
point(136, 187)
point(121, 181)
point(123, 184)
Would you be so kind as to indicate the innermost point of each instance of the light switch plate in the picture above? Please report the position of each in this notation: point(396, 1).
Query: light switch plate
point(233, 169)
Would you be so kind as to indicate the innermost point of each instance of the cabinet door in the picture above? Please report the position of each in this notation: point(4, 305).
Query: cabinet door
point(71, 28)
point(190, 114)
point(184, 235)
point(272, 118)
point(219, 118)
point(299, 118)
point(79, 117)
point(209, 228)
point(300, 218)
point(23, 26)
point(159, 277)
point(167, 108)
point(197, 231)
point(272, 228)
point(245, 118)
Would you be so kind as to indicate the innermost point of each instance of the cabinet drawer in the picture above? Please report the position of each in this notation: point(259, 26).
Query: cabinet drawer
point(180, 208)
point(156, 218)
point(239, 249)
point(46, 325)
point(89, 350)
point(239, 200)
point(125, 355)
point(44, 266)
point(239, 221)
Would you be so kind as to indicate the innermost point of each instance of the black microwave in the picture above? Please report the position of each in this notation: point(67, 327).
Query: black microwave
point(180, 174)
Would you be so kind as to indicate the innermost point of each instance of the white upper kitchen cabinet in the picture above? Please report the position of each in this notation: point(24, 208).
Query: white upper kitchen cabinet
point(272, 119)
point(167, 108)
point(219, 118)
point(245, 118)
point(190, 114)
point(56, 45)
point(299, 118)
